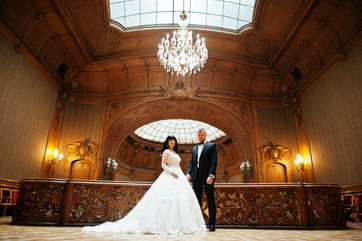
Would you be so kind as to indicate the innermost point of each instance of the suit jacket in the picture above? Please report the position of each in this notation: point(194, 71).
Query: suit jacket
point(208, 161)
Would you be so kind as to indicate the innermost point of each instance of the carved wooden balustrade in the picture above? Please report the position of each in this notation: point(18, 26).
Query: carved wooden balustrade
point(72, 202)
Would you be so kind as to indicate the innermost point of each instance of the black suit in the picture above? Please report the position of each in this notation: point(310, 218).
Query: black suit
point(207, 166)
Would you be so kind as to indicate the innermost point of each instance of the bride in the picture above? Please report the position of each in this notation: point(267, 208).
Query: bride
point(168, 207)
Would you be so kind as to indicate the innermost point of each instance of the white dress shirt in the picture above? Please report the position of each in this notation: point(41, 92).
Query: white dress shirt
point(199, 154)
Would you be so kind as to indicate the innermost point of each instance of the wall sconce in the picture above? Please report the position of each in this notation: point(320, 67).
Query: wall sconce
point(245, 168)
point(56, 157)
point(299, 162)
point(111, 165)
point(54, 160)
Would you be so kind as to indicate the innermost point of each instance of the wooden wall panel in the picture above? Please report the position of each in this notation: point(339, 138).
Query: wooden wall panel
point(277, 125)
point(118, 81)
point(157, 78)
point(137, 79)
point(242, 84)
point(333, 115)
point(221, 80)
point(203, 79)
point(80, 122)
point(27, 106)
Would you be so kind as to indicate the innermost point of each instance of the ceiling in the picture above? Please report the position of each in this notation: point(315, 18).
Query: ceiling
point(288, 46)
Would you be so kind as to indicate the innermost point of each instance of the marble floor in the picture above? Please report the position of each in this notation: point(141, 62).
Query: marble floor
point(40, 233)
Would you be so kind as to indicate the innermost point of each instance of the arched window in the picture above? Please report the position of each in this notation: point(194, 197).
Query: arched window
point(184, 130)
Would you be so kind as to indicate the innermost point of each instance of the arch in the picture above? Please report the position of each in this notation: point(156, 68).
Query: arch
point(125, 122)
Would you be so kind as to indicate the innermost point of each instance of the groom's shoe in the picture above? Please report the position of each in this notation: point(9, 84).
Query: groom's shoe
point(212, 228)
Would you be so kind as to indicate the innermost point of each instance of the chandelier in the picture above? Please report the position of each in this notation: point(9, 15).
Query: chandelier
point(179, 54)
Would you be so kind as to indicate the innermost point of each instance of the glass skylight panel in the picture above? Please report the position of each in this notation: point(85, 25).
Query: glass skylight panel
point(198, 19)
point(132, 7)
point(132, 20)
point(223, 14)
point(214, 21)
point(231, 9)
point(184, 130)
point(199, 6)
point(215, 7)
point(229, 22)
point(245, 13)
point(164, 5)
point(117, 10)
point(148, 6)
point(164, 18)
point(148, 18)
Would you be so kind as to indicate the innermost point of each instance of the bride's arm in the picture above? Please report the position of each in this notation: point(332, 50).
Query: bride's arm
point(166, 168)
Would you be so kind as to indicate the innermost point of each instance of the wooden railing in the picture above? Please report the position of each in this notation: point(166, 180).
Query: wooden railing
point(76, 202)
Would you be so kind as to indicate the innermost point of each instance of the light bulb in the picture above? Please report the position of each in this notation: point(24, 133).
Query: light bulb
point(55, 153)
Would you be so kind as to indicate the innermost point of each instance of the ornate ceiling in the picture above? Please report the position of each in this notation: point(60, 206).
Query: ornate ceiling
point(289, 45)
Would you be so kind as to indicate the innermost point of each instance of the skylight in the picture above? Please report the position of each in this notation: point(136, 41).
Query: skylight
point(185, 131)
point(228, 15)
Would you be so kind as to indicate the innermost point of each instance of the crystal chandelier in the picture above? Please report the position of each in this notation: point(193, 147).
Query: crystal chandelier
point(179, 54)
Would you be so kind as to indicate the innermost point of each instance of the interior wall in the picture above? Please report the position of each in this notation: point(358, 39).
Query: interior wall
point(332, 110)
point(27, 106)
point(277, 125)
point(80, 122)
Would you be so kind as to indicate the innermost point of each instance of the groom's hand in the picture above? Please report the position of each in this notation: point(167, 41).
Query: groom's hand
point(209, 180)
point(188, 177)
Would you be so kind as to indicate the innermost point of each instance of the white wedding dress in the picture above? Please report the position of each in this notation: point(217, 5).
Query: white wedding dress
point(170, 206)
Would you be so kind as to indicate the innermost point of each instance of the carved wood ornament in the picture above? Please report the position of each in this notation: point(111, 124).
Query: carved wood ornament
point(275, 164)
point(82, 160)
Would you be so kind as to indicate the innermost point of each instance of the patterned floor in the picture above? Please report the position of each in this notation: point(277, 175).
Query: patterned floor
point(40, 233)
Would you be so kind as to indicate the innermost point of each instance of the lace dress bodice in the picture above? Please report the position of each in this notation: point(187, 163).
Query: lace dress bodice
point(170, 161)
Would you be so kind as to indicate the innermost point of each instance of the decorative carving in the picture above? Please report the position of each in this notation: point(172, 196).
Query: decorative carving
point(80, 150)
point(243, 109)
point(239, 107)
point(180, 85)
point(257, 206)
point(39, 202)
point(325, 206)
point(117, 106)
point(256, 45)
point(96, 204)
point(85, 152)
point(275, 156)
point(274, 152)
point(179, 91)
point(75, 83)
point(104, 40)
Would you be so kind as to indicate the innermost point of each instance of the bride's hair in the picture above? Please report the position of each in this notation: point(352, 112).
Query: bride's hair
point(165, 143)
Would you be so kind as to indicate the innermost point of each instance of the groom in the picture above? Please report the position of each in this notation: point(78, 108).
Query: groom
point(202, 171)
